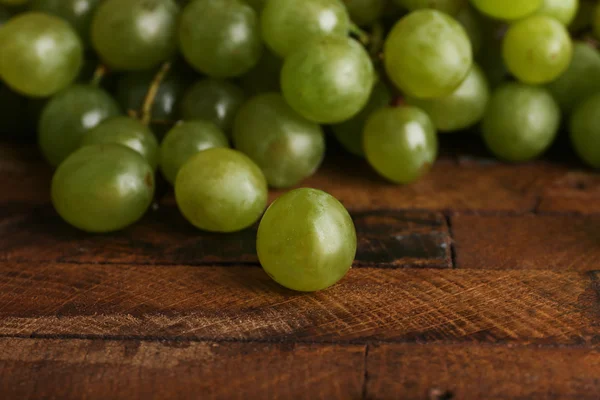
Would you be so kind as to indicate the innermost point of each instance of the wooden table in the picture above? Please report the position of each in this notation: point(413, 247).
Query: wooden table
point(478, 282)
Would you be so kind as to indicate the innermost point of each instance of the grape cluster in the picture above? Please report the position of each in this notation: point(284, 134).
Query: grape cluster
point(229, 97)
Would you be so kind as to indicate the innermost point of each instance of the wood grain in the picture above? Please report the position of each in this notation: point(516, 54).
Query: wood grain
point(99, 369)
point(557, 242)
point(386, 239)
point(240, 303)
point(439, 372)
point(577, 191)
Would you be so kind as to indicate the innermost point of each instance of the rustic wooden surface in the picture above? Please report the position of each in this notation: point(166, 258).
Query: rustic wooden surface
point(479, 282)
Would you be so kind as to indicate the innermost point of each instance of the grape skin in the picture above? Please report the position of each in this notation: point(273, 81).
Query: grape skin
point(563, 11)
point(585, 131)
point(507, 9)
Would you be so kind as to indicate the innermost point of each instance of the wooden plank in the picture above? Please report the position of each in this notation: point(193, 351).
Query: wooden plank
point(559, 242)
point(386, 239)
point(241, 303)
point(99, 369)
point(438, 372)
point(24, 176)
point(577, 191)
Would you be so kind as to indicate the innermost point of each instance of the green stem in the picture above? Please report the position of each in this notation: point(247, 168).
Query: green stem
point(361, 35)
point(146, 116)
point(99, 74)
point(376, 44)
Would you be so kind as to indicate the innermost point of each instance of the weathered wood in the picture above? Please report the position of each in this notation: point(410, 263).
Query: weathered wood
point(555, 242)
point(408, 371)
point(577, 191)
point(99, 369)
point(241, 303)
point(386, 239)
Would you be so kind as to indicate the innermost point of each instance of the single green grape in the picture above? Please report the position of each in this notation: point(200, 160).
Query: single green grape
point(213, 100)
point(520, 122)
point(221, 190)
point(583, 16)
point(451, 7)
point(135, 34)
point(103, 188)
point(473, 24)
point(585, 130)
point(462, 108)
point(78, 13)
point(507, 9)
point(428, 54)
point(265, 77)
point(400, 143)
point(185, 140)
point(287, 147)
point(39, 54)
point(563, 11)
point(328, 81)
point(69, 116)
point(128, 132)
point(289, 24)
point(580, 80)
point(537, 49)
point(365, 12)
point(350, 133)
point(220, 38)
point(306, 240)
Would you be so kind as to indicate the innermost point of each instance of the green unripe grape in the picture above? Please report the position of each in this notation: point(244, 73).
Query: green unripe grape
point(585, 131)
point(580, 80)
point(400, 143)
point(265, 77)
point(78, 13)
point(221, 190)
point(103, 188)
point(289, 24)
point(462, 108)
point(520, 122)
point(328, 81)
point(220, 38)
point(135, 34)
point(350, 133)
point(537, 49)
point(127, 132)
point(451, 7)
point(474, 26)
point(563, 11)
point(507, 9)
point(39, 54)
point(213, 100)
point(306, 240)
point(287, 147)
point(69, 116)
point(365, 12)
point(428, 54)
point(184, 141)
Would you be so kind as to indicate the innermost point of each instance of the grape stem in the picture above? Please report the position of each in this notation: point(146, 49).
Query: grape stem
point(99, 74)
point(146, 116)
point(360, 34)
point(376, 43)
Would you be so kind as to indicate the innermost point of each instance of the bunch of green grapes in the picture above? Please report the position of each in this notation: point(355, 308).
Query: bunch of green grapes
point(226, 98)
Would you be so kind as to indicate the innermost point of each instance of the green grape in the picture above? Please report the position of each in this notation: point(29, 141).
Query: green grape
point(580, 80)
point(39, 54)
point(78, 13)
point(585, 130)
point(490, 57)
point(507, 9)
point(306, 240)
point(221, 190)
point(13, 2)
point(185, 140)
point(265, 76)
point(400, 143)
point(289, 24)
point(287, 147)
point(103, 188)
point(473, 24)
point(583, 17)
point(537, 49)
point(428, 54)
point(350, 133)
point(213, 100)
point(68, 116)
point(451, 7)
point(365, 12)
point(220, 38)
point(563, 11)
point(135, 34)
point(461, 109)
point(127, 132)
point(328, 81)
point(520, 122)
